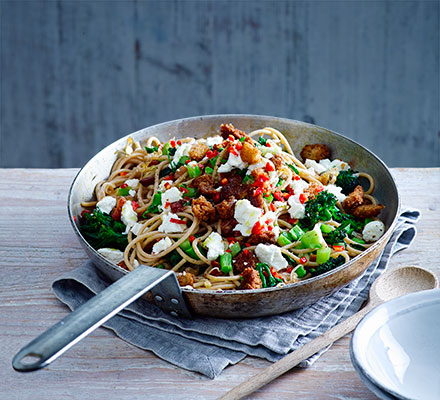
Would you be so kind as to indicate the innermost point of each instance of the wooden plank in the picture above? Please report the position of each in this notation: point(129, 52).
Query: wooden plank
point(78, 75)
point(37, 245)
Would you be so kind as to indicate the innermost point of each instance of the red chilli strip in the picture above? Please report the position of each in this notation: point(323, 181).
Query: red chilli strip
point(167, 204)
point(303, 260)
point(267, 144)
point(302, 198)
point(269, 167)
point(124, 185)
point(74, 218)
point(231, 138)
point(135, 205)
point(183, 189)
point(173, 143)
point(296, 177)
point(179, 143)
point(278, 195)
point(247, 244)
point(289, 269)
point(286, 195)
point(319, 189)
point(191, 238)
point(123, 173)
point(258, 192)
point(228, 251)
point(224, 181)
point(245, 252)
point(258, 228)
point(177, 221)
point(338, 248)
point(231, 239)
point(272, 207)
point(239, 146)
point(270, 228)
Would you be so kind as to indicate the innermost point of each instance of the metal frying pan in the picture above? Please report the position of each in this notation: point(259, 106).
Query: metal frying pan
point(161, 286)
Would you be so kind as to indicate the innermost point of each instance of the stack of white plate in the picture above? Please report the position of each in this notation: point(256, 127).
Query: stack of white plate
point(396, 348)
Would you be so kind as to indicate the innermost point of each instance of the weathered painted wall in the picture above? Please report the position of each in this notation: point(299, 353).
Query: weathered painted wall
point(77, 75)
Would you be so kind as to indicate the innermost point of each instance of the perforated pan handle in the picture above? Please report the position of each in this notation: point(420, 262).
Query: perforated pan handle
point(85, 319)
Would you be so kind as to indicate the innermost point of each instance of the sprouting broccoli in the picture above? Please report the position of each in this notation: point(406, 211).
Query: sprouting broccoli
point(320, 208)
point(347, 180)
point(332, 263)
point(336, 236)
point(347, 219)
point(101, 230)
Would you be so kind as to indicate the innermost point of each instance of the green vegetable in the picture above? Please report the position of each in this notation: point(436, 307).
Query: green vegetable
point(269, 199)
point(174, 257)
point(154, 206)
point(242, 139)
point(192, 192)
point(300, 272)
point(326, 228)
point(296, 232)
point(151, 149)
point(319, 208)
point(355, 224)
point(293, 168)
point(284, 239)
point(186, 246)
point(208, 171)
point(267, 279)
point(235, 249)
point(161, 266)
point(166, 149)
point(213, 161)
point(355, 239)
point(182, 161)
point(124, 191)
point(323, 255)
point(101, 230)
point(327, 266)
point(337, 235)
point(280, 182)
point(347, 181)
point(193, 171)
point(226, 263)
point(262, 141)
point(165, 172)
point(311, 240)
point(248, 178)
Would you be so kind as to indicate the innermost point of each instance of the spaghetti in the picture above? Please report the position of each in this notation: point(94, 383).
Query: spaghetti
point(234, 211)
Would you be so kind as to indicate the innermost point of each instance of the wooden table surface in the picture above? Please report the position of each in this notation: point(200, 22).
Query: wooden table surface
point(37, 245)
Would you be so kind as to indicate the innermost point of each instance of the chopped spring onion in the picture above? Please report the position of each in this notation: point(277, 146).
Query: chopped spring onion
point(326, 228)
point(193, 171)
point(296, 232)
point(311, 240)
point(235, 249)
point(300, 272)
point(284, 239)
point(226, 263)
point(323, 255)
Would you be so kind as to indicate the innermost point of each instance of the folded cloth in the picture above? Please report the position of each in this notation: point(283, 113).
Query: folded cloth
point(208, 345)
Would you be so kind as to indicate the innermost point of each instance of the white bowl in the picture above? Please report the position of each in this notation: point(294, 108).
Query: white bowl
point(397, 346)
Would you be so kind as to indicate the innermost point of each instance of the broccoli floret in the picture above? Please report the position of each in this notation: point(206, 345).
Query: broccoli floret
point(332, 263)
point(101, 230)
point(347, 181)
point(319, 208)
point(347, 219)
point(336, 236)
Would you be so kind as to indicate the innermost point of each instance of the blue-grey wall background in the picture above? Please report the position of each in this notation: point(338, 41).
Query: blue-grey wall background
point(76, 75)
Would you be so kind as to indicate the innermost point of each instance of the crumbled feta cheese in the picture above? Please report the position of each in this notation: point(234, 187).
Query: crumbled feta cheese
point(261, 164)
point(215, 246)
point(170, 196)
point(136, 228)
point(162, 245)
point(271, 254)
point(132, 192)
point(128, 215)
point(181, 151)
point(299, 186)
point(106, 204)
point(113, 255)
point(296, 210)
point(373, 231)
point(326, 164)
point(133, 183)
point(233, 162)
point(316, 166)
point(246, 215)
point(163, 184)
point(336, 190)
point(170, 227)
point(280, 204)
point(211, 141)
point(274, 148)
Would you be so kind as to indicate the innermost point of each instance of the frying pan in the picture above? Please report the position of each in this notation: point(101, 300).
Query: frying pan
point(161, 286)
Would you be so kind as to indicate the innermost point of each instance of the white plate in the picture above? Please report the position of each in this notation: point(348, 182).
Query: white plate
point(397, 346)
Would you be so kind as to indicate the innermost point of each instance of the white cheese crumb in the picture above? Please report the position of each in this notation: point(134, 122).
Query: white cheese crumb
point(132, 192)
point(233, 162)
point(163, 184)
point(274, 148)
point(113, 255)
point(170, 196)
point(162, 245)
point(215, 246)
point(296, 210)
point(246, 215)
point(211, 141)
point(271, 254)
point(181, 151)
point(133, 183)
point(128, 215)
point(170, 227)
point(373, 231)
point(336, 190)
point(319, 168)
point(299, 186)
point(326, 164)
point(106, 204)
point(136, 228)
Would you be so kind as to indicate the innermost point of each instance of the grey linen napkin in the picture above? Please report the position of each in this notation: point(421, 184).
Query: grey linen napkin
point(208, 345)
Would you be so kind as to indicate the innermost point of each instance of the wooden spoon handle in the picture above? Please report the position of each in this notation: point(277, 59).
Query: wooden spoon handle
point(294, 358)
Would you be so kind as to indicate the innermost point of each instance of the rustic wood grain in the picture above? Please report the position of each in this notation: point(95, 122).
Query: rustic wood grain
point(37, 245)
point(78, 75)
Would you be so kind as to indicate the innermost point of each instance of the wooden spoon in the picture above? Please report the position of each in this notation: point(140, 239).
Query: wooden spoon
point(390, 285)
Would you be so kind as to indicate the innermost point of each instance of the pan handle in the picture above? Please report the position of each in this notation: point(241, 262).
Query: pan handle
point(85, 319)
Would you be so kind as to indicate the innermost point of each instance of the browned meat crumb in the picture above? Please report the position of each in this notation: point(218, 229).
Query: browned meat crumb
point(354, 199)
point(243, 261)
point(278, 161)
point(227, 226)
point(205, 185)
point(251, 279)
point(198, 151)
point(250, 154)
point(226, 208)
point(203, 209)
point(229, 129)
point(264, 237)
point(234, 186)
point(312, 190)
point(256, 201)
point(186, 278)
point(315, 152)
point(367, 211)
